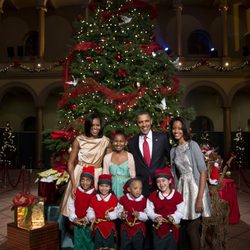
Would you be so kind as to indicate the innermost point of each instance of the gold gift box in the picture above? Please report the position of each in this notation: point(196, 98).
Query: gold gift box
point(31, 217)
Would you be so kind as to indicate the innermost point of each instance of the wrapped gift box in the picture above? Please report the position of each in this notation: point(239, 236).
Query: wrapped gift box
point(44, 238)
point(30, 217)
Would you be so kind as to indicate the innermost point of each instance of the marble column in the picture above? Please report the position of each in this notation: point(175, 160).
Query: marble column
point(39, 137)
point(178, 11)
point(227, 131)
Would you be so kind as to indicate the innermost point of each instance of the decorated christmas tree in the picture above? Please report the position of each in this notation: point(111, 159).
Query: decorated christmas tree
point(117, 69)
point(240, 149)
point(7, 146)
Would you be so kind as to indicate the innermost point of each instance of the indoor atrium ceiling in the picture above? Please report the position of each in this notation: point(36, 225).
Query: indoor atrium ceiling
point(20, 4)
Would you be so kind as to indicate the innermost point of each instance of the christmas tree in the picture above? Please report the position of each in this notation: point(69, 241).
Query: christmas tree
point(7, 146)
point(116, 68)
point(240, 149)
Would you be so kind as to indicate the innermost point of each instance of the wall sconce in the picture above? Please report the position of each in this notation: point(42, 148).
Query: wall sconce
point(213, 52)
point(168, 50)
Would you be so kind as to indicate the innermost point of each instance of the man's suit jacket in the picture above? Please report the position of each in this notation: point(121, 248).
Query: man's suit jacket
point(159, 157)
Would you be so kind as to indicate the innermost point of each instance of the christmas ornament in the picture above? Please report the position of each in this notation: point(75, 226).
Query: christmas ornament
point(74, 82)
point(73, 107)
point(122, 73)
point(89, 59)
point(162, 105)
point(99, 49)
point(125, 19)
point(118, 57)
point(214, 174)
point(176, 63)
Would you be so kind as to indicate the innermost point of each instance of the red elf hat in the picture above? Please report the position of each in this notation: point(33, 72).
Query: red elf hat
point(88, 172)
point(164, 173)
point(105, 179)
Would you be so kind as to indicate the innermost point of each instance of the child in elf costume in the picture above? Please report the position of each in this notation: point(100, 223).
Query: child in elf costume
point(131, 211)
point(165, 209)
point(78, 207)
point(102, 212)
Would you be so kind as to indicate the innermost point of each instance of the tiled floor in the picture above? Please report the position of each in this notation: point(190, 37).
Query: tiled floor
point(238, 235)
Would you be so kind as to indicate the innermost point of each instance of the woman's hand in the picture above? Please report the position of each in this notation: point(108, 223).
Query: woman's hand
point(73, 192)
point(199, 206)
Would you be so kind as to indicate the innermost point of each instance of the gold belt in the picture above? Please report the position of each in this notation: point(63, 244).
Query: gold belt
point(85, 164)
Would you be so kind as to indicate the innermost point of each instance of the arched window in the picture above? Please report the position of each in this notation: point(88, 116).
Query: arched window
point(29, 124)
point(202, 124)
point(31, 44)
point(199, 42)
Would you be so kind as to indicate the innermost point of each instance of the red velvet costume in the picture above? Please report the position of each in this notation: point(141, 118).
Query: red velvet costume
point(100, 208)
point(130, 206)
point(166, 207)
point(82, 201)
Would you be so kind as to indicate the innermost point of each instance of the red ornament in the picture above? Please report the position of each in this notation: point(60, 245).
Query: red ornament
point(118, 57)
point(120, 107)
point(165, 122)
point(123, 73)
point(73, 107)
point(99, 49)
point(89, 59)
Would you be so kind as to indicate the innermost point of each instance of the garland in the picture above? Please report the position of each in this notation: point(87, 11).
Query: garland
point(18, 65)
point(146, 49)
point(135, 5)
point(210, 65)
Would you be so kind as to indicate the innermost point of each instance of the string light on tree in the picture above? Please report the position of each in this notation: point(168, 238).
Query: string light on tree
point(8, 147)
point(240, 149)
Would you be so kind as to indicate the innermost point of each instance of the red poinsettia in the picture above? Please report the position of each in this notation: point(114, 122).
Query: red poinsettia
point(62, 134)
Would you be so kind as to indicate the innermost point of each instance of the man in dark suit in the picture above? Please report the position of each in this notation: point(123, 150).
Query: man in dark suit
point(157, 148)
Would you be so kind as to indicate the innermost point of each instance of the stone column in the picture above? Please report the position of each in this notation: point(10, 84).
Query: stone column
point(236, 23)
point(1, 7)
point(248, 20)
point(227, 131)
point(178, 10)
point(224, 20)
point(41, 6)
point(39, 137)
